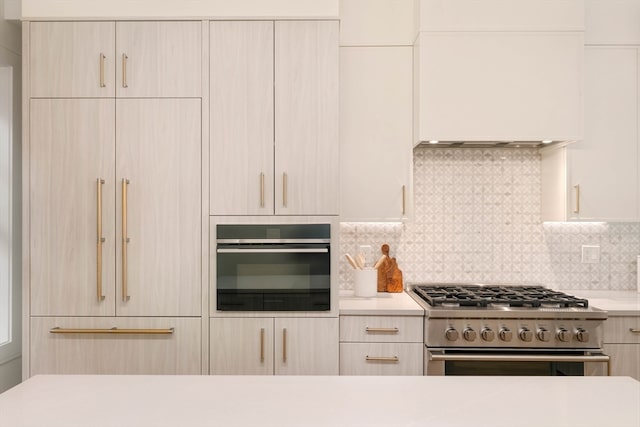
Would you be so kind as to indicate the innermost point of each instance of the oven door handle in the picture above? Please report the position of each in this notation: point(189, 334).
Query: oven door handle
point(516, 358)
point(600, 358)
point(272, 251)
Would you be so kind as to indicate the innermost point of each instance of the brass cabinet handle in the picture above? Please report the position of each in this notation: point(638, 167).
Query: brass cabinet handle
point(261, 345)
point(382, 359)
point(124, 70)
point(125, 240)
point(262, 189)
point(114, 331)
point(577, 188)
point(102, 58)
point(634, 331)
point(284, 345)
point(404, 200)
point(390, 330)
point(284, 189)
point(100, 241)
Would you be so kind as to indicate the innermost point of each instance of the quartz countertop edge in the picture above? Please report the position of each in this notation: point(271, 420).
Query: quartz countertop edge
point(314, 401)
point(383, 304)
point(616, 303)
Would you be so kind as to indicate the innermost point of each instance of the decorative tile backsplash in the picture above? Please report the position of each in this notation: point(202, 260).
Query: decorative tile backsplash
point(477, 219)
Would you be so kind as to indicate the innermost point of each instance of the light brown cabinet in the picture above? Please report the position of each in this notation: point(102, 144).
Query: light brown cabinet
point(381, 345)
point(622, 343)
point(107, 59)
point(274, 118)
point(268, 346)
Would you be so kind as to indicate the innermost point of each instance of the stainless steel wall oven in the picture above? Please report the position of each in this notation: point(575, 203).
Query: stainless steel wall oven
point(274, 267)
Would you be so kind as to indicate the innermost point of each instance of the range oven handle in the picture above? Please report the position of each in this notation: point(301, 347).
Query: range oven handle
point(516, 358)
point(272, 251)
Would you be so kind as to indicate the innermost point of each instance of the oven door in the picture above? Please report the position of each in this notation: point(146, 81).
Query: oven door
point(273, 277)
point(502, 362)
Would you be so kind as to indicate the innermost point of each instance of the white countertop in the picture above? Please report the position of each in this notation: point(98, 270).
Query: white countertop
point(195, 401)
point(617, 303)
point(384, 304)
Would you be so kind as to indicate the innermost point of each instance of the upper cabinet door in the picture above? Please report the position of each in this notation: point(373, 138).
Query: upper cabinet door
point(376, 151)
point(241, 85)
point(72, 146)
point(306, 118)
point(72, 59)
point(603, 168)
point(159, 217)
point(159, 59)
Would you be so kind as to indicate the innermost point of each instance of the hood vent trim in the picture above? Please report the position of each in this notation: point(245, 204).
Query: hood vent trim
point(487, 144)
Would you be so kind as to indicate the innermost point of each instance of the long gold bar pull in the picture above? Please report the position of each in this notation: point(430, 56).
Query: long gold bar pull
point(382, 359)
point(125, 240)
point(112, 331)
point(404, 200)
point(124, 70)
point(102, 58)
point(284, 345)
point(261, 345)
point(262, 189)
point(284, 189)
point(100, 241)
point(577, 188)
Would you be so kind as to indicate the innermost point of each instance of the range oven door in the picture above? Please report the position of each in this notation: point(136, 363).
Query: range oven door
point(501, 362)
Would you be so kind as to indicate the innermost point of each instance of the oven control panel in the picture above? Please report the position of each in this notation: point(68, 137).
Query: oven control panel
point(534, 333)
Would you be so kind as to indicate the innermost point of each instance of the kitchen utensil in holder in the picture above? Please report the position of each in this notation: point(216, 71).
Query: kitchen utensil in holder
point(365, 284)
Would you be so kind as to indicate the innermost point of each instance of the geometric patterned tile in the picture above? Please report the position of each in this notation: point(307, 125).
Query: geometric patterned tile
point(477, 218)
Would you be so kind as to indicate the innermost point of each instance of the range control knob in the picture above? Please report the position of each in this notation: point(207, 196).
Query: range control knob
point(505, 334)
point(582, 335)
point(543, 334)
point(469, 334)
point(487, 334)
point(563, 335)
point(525, 334)
point(451, 334)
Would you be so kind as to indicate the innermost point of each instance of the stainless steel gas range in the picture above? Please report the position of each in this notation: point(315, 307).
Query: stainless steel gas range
point(483, 329)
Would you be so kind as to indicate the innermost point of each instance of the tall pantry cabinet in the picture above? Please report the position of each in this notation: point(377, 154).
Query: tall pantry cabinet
point(112, 179)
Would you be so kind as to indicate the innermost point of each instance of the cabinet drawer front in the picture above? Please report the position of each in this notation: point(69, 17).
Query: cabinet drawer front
point(381, 329)
point(622, 330)
point(381, 358)
point(147, 348)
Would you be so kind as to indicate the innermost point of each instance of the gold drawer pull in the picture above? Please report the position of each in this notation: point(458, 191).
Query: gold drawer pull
point(388, 330)
point(634, 331)
point(114, 330)
point(393, 359)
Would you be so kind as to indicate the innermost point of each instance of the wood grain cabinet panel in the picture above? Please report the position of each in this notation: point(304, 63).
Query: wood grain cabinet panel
point(241, 97)
point(87, 353)
point(241, 346)
point(621, 337)
point(72, 146)
point(158, 152)
point(381, 358)
point(381, 328)
point(306, 118)
point(381, 345)
point(159, 59)
point(72, 59)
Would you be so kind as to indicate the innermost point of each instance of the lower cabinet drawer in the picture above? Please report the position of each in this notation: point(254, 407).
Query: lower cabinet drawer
point(381, 358)
point(90, 345)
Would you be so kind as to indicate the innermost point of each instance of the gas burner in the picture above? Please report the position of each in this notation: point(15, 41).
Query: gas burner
point(468, 295)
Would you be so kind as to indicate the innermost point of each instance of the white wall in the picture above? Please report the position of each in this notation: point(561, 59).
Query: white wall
point(34, 9)
point(10, 48)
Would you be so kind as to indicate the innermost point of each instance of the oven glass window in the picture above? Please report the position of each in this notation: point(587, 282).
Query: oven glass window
point(544, 369)
point(273, 276)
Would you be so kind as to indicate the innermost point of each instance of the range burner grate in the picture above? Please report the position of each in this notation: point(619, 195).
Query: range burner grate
point(495, 295)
